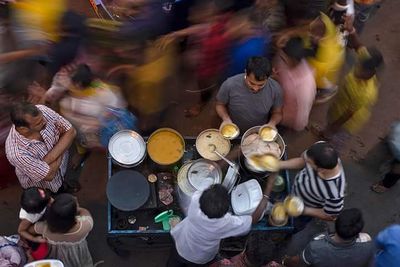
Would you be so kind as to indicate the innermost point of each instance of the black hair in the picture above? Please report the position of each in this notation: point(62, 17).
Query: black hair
point(294, 48)
point(323, 155)
point(61, 214)
point(349, 224)
point(32, 200)
point(19, 110)
point(214, 201)
point(260, 67)
point(373, 61)
point(259, 250)
point(83, 75)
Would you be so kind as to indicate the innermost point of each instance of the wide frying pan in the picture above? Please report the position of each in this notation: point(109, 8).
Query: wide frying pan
point(127, 190)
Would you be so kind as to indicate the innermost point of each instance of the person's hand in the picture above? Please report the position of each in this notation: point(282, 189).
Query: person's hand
point(225, 121)
point(36, 93)
point(40, 239)
point(348, 23)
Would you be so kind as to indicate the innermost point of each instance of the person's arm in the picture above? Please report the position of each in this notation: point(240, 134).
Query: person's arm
point(222, 102)
point(354, 41)
point(222, 112)
point(53, 169)
point(16, 55)
point(318, 213)
point(276, 117)
point(292, 164)
point(66, 131)
point(264, 201)
point(62, 145)
point(25, 230)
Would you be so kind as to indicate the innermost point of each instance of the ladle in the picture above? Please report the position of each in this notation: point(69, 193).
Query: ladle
point(213, 148)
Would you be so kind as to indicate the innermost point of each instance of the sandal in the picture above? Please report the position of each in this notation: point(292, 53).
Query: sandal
point(379, 188)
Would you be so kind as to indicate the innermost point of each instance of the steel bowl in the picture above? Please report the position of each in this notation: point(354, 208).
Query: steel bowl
point(127, 148)
point(204, 173)
point(294, 205)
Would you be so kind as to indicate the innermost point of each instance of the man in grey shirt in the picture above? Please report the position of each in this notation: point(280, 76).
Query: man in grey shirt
point(252, 98)
point(346, 247)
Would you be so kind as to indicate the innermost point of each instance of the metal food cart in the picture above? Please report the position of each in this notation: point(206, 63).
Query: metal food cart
point(137, 228)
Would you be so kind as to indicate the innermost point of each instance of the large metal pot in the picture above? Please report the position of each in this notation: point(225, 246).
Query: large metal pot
point(203, 173)
point(254, 130)
point(127, 148)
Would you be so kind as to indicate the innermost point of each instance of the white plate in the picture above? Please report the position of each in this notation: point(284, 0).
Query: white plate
point(127, 147)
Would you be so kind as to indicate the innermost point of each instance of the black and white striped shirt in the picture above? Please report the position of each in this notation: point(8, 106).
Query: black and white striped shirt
point(317, 192)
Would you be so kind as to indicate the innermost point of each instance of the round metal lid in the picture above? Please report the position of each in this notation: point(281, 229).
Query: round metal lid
point(203, 173)
point(182, 178)
point(127, 190)
point(127, 147)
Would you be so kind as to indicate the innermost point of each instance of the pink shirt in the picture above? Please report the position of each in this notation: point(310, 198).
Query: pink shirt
point(299, 89)
point(27, 155)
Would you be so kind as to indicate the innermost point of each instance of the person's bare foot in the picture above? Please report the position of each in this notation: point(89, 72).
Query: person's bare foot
point(379, 188)
point(193, 111)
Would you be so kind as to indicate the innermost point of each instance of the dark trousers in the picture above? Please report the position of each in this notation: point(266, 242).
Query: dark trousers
point(175, 260)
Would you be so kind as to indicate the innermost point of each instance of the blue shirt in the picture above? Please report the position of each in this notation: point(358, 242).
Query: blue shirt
point(243, 50)
point(388, 243)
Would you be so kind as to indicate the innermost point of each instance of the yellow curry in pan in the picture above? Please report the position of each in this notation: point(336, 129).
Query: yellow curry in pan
point(165, 147)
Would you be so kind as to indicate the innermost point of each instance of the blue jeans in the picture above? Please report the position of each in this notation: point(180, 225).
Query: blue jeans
point(362, 13)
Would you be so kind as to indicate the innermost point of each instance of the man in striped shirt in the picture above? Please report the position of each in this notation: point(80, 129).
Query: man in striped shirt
point(37, 146)
point(320, 183)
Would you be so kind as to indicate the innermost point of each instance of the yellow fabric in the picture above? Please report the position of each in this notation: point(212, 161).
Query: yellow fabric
point(148, 93)
point(357, 95)
point(329, 58)
point(42, 15)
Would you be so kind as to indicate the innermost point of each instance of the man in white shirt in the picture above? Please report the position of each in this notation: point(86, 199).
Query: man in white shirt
point(208, 221)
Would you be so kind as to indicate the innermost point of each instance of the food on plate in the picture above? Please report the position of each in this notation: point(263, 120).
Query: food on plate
point(165, 147)
point(267, 162)
point(294, 206)
point(268, 134)
point(229, 130)
point(278, 214)
point(253, 144)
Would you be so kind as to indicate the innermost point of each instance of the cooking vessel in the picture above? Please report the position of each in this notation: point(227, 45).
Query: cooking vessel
point(254, 130)
point(203, 173)
point(127, 190)
point(127, 148)
point(164, 148)
point(210, 138)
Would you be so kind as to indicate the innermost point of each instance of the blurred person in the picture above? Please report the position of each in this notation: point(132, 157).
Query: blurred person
point(37, 21)
point(66, 49)
point(363, 10)
point(337, 12)
point(88, 103)
point(34, 203)
point(252, 98)
point(148, 83)
point(197, 237)
point(206, 55)
point(320, 183)
point(351, 109)
point(392, 175)
point(388, 245)
point(66, 227)
point(348, 246)
point(247, 40)
point(270, 15)
point(258, 251)
point(37, 146)
point(298, 85)
point(326, 56)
